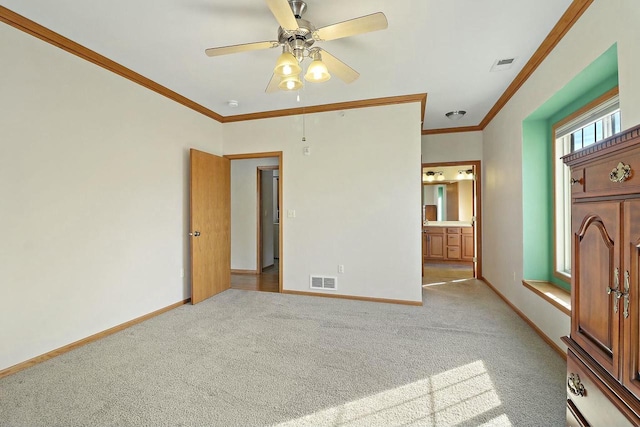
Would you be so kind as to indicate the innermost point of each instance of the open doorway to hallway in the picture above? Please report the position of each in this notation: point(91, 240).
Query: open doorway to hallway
point(256, 239)
point(451, 221)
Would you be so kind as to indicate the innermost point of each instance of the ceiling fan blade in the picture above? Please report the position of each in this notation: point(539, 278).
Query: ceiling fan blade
point(364, 24)
point(273, 84)
point(283, 14)
point(225, 50)
point(339, 68)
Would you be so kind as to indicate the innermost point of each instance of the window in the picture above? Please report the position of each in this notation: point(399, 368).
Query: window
point(575, 133)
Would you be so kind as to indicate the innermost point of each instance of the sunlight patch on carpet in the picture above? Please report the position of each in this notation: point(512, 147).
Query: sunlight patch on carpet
point(456, 396)
point(435, 284)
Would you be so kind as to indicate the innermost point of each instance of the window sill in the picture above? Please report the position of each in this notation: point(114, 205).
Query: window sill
point(558, 297)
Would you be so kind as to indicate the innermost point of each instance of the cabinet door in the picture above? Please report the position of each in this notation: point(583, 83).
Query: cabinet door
point(467, 246)
point(629, 304)
point(435, 245)
point(595, 271)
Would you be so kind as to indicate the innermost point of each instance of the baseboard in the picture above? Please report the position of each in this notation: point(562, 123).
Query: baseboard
point(539, 331)
point(254, 272)
point(95, 337)
point(353, 297)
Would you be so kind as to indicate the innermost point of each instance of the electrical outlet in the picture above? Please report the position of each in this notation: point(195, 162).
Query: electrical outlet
point(182, 272)
point(340, 268)
point(291, 213)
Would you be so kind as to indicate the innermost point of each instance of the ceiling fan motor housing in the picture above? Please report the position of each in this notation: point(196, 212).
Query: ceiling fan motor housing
point(298, 40)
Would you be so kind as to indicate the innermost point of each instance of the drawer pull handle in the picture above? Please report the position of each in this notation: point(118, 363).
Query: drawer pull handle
point(576, 181)
point(620, 173)
point(575, 385)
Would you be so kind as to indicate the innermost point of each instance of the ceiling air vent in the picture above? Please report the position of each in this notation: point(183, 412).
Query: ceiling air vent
point(323, 282)
point(502, 64)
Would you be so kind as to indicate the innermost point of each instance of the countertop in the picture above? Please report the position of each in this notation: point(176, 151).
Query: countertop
point(448, 224)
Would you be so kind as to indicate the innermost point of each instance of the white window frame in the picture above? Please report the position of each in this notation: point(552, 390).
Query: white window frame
point(601, 109)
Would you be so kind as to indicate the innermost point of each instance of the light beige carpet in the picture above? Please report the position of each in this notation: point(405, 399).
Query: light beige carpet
point(440, 273)
point(248, 358)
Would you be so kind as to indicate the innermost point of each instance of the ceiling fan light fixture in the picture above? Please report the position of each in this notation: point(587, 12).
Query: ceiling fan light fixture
point(287, 65)
point(317, 72)
point(291, 83)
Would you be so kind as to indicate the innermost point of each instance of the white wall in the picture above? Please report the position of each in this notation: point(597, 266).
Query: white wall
point(451, 147)
point(604, 23)
point(94, 197)
point(356, 197)
point(244, 207)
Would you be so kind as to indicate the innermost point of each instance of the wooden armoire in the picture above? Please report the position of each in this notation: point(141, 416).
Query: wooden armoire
point(603, 359)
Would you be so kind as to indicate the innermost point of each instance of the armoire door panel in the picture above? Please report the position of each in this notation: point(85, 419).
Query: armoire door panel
point(629, 303)
point(595, 325)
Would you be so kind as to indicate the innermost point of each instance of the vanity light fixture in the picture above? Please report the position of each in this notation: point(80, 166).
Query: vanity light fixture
point(429, 176)
point(465, 174)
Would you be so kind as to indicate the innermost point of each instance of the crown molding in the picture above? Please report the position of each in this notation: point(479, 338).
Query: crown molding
point(568, 19)
point(374, 102)
point(451, 130)
point(21, 23)
point(562, 27)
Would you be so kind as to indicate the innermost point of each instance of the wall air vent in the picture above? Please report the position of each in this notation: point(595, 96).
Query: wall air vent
point(502, 64)
point(324, 282)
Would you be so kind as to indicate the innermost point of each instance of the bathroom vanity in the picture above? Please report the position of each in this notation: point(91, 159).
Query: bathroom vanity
point(448, 241)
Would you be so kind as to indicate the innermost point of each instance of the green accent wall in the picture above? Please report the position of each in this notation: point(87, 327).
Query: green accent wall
point(537, 161)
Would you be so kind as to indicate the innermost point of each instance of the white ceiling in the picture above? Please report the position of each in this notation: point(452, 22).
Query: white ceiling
point(444, 48)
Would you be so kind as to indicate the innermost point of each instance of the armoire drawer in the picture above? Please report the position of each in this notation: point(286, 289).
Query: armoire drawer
point(599, 177)
point(585, 393)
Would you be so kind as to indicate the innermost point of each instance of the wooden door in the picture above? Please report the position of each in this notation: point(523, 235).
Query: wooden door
point(210, 201)
point(630, 309)
point(595, 274)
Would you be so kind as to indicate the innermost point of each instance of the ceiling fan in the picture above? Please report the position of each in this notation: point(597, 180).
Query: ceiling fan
point(297, 37)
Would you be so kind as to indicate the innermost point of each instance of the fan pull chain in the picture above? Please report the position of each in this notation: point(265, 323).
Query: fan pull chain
point(304, 130)
point(304, 139)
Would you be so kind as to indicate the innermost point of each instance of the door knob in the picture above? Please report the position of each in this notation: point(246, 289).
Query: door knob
point(194, 234)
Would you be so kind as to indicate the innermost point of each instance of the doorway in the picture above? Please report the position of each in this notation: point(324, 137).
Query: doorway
point(452, 219)
point(256, 236)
